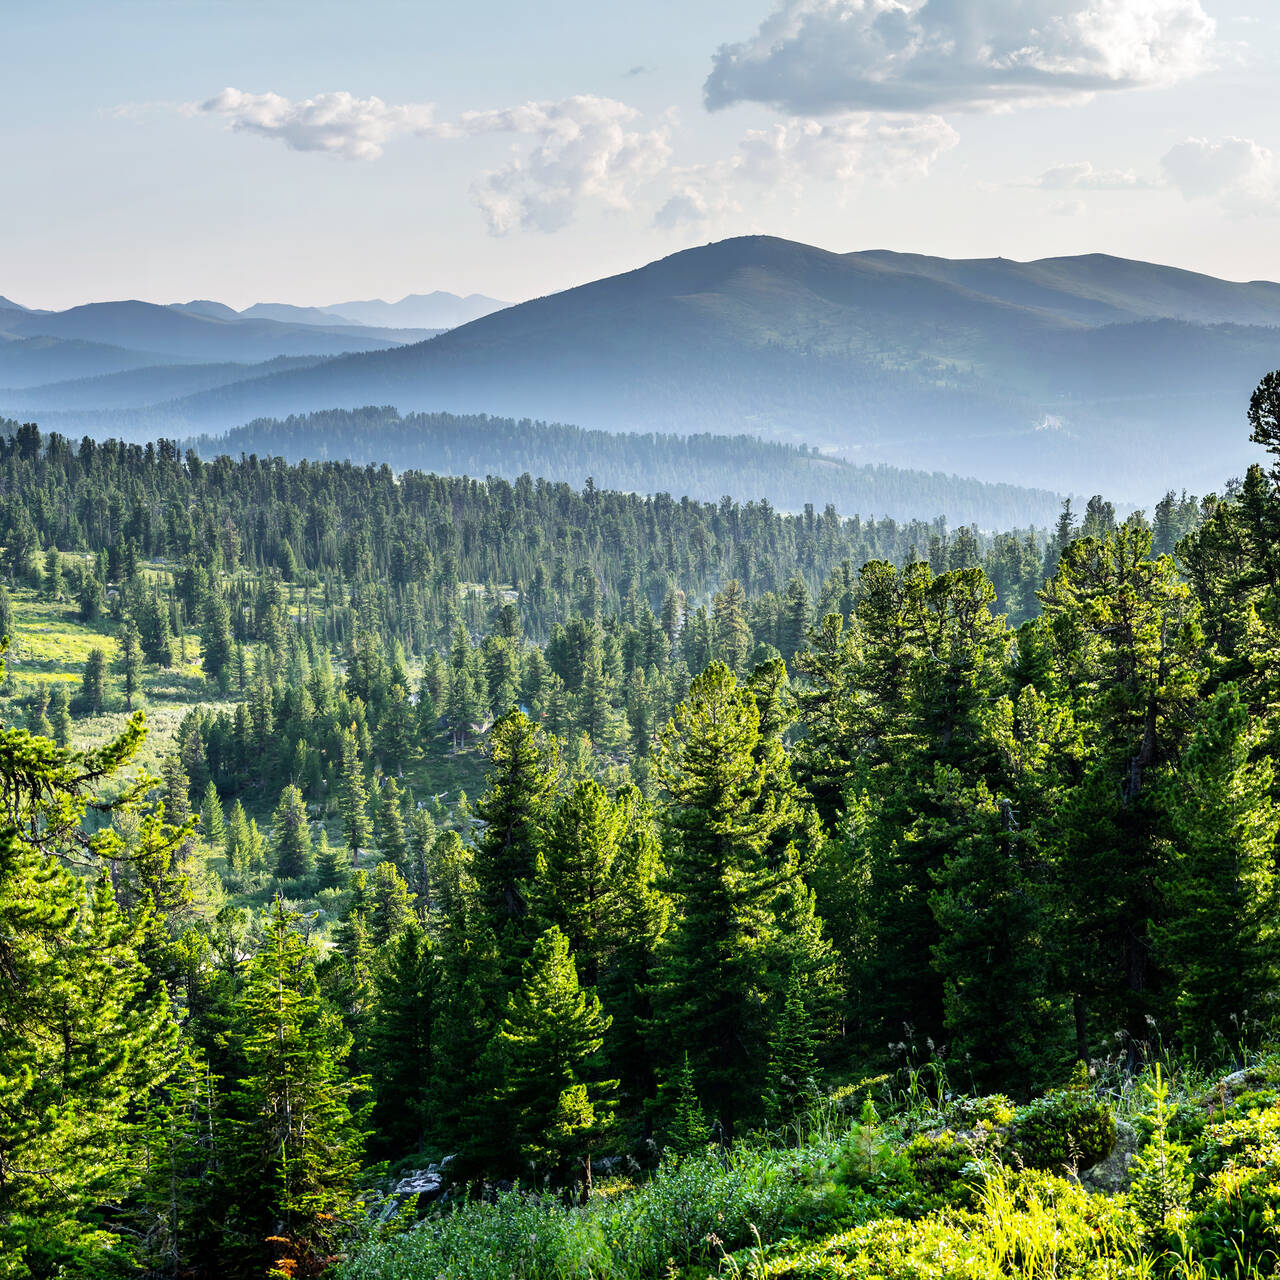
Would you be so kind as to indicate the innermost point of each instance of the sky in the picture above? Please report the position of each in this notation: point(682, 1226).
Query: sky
point(319, 151)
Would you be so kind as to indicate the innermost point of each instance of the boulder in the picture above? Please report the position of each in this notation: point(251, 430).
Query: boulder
point(1114, 1174)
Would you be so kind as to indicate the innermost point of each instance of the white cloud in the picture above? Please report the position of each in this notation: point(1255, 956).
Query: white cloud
point(585, 149)
point(847, 150)
point(695, 202)
point(789, 157)
point(1240, 173)
point(815, 56)
point(1082, 176)
point(339, 123)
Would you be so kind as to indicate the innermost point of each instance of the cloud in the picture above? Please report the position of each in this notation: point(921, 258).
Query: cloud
point(1242, 174)
point(584, 149)
point(693, 203)
point(846, 150)
point(790, 156)
point(811, 57)
point(339, 123)
point(1082, 176)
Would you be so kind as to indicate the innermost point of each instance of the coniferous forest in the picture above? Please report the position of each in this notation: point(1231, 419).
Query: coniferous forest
point(412, 876)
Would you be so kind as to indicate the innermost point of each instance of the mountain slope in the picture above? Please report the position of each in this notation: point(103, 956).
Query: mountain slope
point(187, 334)
point(436, 310)
point(146, 385)
point(29, 362)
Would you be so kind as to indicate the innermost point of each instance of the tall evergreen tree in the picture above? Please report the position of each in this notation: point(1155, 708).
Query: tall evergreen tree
point(291, 835)
point(353, 798)
point(558, 1109)
point(297, 1136)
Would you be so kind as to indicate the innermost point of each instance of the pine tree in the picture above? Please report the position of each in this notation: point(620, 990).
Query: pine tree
point(331, 863)
point(291, 835)
point(574, 886)
point(130, 660)
point(87, 1032)
point(558, 1110)
point(391, 904)
point(353, 798)
point(1220, 941)
point(213, 822)
point(791, 1086)
point(732, 635)
point(93, 690)
point(519, 786)
point(60, 715)
point(297, 1141)
point(729, 798)
point(400, 1043)
point(391, 840)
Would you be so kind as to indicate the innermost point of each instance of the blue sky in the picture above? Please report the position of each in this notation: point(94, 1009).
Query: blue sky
point(387, 147)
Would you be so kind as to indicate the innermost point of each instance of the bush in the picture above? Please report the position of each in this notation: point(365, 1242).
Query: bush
point(991, 1112)
point(945, 1166)
point(1066, 1129)
point(1238, 1213)
point(687, 1214)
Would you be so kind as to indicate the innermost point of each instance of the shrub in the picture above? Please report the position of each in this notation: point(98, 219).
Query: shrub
point(1069, 1128)
point(1238, 1214)
point(990, 1112)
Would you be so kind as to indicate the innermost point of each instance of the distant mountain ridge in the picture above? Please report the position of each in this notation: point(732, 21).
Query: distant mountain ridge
point(1059, 374)
point(1079, 374)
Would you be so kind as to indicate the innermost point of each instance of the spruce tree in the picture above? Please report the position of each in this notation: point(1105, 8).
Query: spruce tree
point(331, 863)
point(60, 715)
point(213, 822)
point(297, 1139)
point(93, 688)
point(391, 904)
point(391, 841)
point(1220, 940)
point(130, 660)
point(353, 798)
point(574, 885)
point(291, 835)
point(400, 1043)
point(519, 785)
point(727, 800)
point(557, 1108)
point(686, 1129)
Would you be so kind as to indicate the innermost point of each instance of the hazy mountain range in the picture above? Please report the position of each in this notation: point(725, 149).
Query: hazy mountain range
point(1079, 374)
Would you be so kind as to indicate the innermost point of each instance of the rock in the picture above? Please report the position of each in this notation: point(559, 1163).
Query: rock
point(1114, 1173)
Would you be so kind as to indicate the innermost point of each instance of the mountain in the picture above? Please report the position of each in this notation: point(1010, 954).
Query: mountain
point(1074, 373)
point(703, 467)
point(206, 307)
point(30, 362)
point(200, 331)
point(134, 386)
point(6, 305)
point(421, 310)
point(288, 314)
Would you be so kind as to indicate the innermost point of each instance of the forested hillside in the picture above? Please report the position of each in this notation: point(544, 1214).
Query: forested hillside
point(703, 467)
point(654, 870)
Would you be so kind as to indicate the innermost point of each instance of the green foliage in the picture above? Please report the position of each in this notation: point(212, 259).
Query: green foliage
point(1066, 1129)
point(557, 1108)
